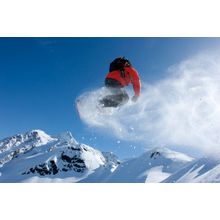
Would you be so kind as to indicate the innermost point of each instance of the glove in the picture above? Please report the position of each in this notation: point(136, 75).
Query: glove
point(134, 98)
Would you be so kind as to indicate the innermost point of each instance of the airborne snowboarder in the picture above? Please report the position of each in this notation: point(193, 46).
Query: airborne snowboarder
point(121, 74)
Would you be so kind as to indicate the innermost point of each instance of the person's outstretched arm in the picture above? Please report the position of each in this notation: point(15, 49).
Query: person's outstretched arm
point(135, 80)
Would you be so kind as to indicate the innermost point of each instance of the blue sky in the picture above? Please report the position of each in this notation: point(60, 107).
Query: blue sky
point(41, 77)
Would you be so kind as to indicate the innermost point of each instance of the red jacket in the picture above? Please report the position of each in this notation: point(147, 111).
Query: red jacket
point(131, 76)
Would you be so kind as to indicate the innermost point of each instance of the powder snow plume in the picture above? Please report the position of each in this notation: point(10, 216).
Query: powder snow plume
point(182, 109)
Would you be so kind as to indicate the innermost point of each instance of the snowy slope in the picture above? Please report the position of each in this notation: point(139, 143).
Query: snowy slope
point(37, 157)
point(206, 170)
point(153, 166)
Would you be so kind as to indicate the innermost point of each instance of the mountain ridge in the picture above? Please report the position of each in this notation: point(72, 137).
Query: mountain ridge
point(38, 157)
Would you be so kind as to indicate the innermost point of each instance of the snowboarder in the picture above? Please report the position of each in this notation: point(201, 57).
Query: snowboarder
point(121, 74)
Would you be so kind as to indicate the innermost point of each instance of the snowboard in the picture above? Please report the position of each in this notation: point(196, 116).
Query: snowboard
point(99, 103)
point(92, 110)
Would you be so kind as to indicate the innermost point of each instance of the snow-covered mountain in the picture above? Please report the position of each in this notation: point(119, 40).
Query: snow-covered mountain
point(203, 170)
point(37, 157)
point(153, 166)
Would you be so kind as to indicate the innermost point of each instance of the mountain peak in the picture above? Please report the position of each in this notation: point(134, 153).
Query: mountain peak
point(37, 132)
point(68, 137)
point(167, 153)
point(39, 135)
point(36, 154)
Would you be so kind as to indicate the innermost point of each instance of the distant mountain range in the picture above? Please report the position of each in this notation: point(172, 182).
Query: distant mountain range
point(38, 157)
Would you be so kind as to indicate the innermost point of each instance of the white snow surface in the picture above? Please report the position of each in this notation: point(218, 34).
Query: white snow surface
point(156, 175)
point(153, 166)
point(203, 170)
